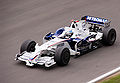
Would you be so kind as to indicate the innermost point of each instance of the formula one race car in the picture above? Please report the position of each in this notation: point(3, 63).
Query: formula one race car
point(81, 36)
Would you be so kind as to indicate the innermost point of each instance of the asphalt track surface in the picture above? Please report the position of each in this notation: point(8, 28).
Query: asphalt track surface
point(32, 19)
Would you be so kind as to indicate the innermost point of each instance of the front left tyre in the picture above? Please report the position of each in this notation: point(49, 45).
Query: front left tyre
point(28, 45)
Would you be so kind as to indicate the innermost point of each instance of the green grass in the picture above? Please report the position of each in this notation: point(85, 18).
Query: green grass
point(114, 79)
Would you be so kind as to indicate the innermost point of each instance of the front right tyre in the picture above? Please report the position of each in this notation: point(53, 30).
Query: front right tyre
point(62, 56)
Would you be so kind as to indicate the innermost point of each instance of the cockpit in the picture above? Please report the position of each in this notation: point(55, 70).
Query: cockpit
point(59, 31)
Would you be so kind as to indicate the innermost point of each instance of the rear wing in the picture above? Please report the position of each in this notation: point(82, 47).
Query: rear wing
point(96, 20)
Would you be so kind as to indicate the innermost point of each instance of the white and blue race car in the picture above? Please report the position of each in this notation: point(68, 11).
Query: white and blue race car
point(81, 36)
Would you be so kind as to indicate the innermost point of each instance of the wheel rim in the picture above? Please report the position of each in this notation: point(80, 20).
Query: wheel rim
point(66, 57)
point(112, 37)
point(31, 48)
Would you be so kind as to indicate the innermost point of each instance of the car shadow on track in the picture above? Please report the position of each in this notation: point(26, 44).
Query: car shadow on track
point(23, 64)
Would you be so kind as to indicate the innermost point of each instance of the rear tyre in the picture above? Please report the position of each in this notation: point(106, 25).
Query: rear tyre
point(62, 56)
point(109, 36)
point(28, 46)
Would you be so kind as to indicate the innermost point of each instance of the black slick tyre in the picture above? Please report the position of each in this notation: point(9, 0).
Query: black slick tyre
point(28, 46)
point(62, 56)
point(109, 36)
